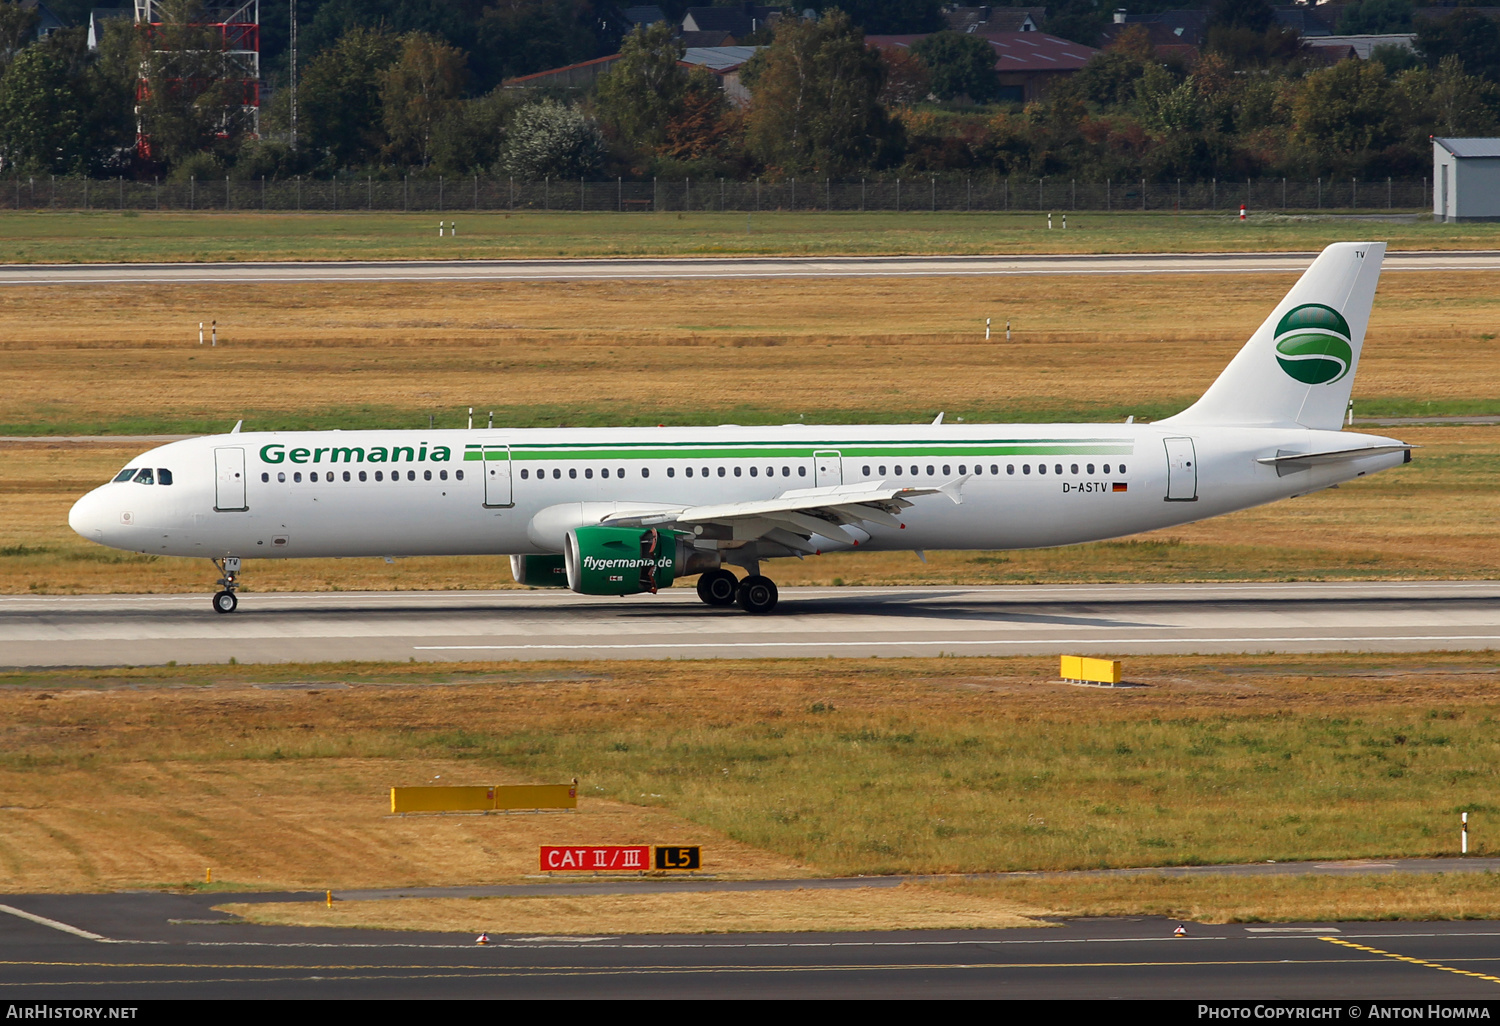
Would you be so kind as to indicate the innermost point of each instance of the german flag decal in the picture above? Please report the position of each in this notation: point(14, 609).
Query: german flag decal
point(1119, 486)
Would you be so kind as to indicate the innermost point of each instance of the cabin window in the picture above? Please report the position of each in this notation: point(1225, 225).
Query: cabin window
point(688, 471)
point(313, 476)
point(1041, 468)
point(897, 468)
point(770, 471)
point(946, 470)
point(604, 472)
point(620, 473)
point(995, 469)
point(1090, 468)
point(1026, 468)
point(442, 475)
point(962, 469)
point(588, 473)
point(265, 477)
point(754, 471)
point(1122, 467)
point(671, 471)
point(882, 471)
point(524, 474)
point(411, 475)
point(737, 471)
point(1106, 468)
point(914, 471)
point(362, 476)
point(705, 471)
point(556, 473)
point(426, 475)
point(346, 475)
point(801, 471)
point(573, 472)
point(459, 474)
point(163, 476)
point(1057, 467)
point(1074, 469)
point(281, 477)
point(786, 471)
point(721, 471)
point(126, 474)
point(645, 471)
point(379, 476)
point(865, 471)
point(297, 477)
point(144, 476)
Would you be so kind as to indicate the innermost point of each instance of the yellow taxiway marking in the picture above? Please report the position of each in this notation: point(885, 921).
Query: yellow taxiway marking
point(1409, 958)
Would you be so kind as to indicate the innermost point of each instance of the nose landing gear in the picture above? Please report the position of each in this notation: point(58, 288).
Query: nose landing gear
point(229, 576)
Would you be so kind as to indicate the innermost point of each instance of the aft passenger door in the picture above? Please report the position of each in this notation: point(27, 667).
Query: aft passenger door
point(1182, 470)
point(229, 470)
point(828, 467)
point(497, 489)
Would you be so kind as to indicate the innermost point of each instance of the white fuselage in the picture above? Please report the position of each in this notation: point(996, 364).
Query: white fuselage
point(408, 493)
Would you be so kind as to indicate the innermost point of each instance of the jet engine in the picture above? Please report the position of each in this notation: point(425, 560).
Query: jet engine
point(602, 560)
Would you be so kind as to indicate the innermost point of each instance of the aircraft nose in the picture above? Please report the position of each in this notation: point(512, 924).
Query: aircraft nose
point(86, 517)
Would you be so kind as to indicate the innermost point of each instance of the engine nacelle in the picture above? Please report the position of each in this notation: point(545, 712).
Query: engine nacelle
point(604, 560)
point(540, 571)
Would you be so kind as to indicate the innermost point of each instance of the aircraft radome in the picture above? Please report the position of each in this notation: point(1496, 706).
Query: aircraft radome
point(617, 511)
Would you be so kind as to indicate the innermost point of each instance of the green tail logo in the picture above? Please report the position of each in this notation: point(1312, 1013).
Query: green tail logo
point(1313, 344)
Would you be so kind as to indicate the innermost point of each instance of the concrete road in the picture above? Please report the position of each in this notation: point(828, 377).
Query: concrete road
point(140, 630)
point(712, 268)
point(132, 947)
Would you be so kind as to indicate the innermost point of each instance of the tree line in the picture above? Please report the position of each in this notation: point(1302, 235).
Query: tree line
point(377, 99)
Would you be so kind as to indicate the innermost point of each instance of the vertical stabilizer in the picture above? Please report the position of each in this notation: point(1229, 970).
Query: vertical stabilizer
point(1298, 367)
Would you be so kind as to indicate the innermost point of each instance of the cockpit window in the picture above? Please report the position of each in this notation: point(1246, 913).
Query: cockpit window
point(163, 476)
point(144, 476)
point(126, 474)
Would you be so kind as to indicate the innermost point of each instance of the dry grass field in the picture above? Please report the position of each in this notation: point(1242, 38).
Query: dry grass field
point(952, 904)
point(145, 778)
point(117, 359)
point(83, 237)
point(908, 907)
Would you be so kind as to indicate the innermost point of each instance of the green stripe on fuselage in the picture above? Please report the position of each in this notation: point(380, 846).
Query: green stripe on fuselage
point(780, 450)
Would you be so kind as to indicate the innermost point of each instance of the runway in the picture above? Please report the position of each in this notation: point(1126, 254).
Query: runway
point(142, 946)
point(690, 268)
point(144, 630)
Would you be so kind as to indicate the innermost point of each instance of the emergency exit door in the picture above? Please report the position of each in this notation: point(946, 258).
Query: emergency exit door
point(496, 470)
point(1182, 470)
point(828, 467)
point(229, 471)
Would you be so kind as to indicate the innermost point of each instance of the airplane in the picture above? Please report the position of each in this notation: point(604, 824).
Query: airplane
point(622, 511)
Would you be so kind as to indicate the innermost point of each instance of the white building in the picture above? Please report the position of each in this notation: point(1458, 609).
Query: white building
point(1466, 179)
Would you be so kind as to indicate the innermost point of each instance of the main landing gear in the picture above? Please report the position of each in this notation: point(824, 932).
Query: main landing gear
point(229, 576)
point(755, 594)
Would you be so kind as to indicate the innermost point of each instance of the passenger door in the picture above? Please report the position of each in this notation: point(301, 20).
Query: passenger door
point(229, 470)
point(1182, 471)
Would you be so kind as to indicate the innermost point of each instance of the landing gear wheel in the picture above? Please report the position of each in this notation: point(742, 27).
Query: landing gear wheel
point(717, 587)
point(225, 602)
point(757, 594)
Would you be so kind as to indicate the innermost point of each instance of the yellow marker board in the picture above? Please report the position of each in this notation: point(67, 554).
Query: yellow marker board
point(484, 798)
point(1092, 671)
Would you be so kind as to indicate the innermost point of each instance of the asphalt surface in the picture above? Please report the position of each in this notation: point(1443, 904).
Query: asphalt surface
point(144, 630)
point(151, 946)
point(714, 268)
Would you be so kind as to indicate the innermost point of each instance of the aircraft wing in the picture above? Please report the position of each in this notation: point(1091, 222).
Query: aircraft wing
point(794, 517)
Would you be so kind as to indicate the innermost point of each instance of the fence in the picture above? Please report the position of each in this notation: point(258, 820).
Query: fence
point(442, 195)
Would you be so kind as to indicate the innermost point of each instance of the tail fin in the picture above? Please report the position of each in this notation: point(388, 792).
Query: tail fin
point(1298, 367)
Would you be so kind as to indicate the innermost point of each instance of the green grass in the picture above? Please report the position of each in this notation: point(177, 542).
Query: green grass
point(45, 237)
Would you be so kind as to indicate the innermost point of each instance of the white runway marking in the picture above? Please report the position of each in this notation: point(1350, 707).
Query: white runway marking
point(54, 924)
point(1342, 639)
